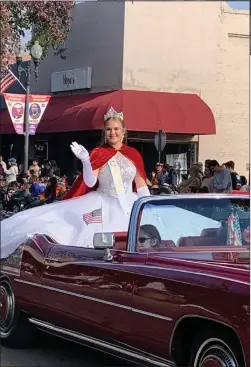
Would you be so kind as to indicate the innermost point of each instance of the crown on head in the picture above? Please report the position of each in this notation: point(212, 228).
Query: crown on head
point(112, 114)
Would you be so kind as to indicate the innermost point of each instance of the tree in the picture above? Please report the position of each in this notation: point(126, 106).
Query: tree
point(49, 22)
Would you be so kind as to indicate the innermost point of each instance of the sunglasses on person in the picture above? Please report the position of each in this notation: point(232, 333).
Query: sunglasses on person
point(144, 239)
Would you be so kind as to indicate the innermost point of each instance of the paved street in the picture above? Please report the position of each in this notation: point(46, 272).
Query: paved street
point(56, 352)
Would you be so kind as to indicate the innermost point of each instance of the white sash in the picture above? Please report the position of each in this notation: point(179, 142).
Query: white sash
point(117, 179)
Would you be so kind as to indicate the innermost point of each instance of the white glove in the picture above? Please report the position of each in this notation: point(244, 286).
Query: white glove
point(143, 191)
point(79, 151)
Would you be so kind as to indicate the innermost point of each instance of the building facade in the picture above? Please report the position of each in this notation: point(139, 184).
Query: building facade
point(183, 47)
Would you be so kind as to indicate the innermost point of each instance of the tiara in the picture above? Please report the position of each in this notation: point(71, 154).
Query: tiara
point(112, 114)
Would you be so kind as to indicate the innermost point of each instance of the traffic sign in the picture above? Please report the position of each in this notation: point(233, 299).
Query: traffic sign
point(160, 140)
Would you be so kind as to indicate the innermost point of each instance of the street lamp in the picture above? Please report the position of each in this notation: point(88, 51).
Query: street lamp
point(36, 53)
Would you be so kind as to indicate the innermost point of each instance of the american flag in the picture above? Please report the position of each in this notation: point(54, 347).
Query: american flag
point(93, 217)
point(234, 230)
point(7, 78)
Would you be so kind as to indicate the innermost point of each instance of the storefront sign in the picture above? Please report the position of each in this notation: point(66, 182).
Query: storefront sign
point(71, 80)
point(15, 104)
point(37, 106)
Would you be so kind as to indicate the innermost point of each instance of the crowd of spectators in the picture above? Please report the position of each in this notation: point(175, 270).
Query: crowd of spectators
point(212, 178)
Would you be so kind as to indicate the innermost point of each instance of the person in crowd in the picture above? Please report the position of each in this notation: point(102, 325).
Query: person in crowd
point(53, 169)
point(2, 163)
point(158, 169)
point(35, 168)
point(200, 166)
point(61, 187)
point(244, 184)
point(172, 176)
point(50, 168)
point(43, 181)
point(21, 169)
point(207, 163)
point(11, 173)
point(36, 187)
point(222, 179)
point(153, 180)
point(207, 184)
point(113, 178)
point(44, 165)
point(50, 193)
point(163, 176)
point(236, 179)
point(193, 183)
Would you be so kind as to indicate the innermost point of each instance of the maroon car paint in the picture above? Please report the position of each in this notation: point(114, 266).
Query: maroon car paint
point(144, 294)
point(137, 298)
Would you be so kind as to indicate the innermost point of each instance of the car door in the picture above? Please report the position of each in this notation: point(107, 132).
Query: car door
point(155, 301)
point(88, 294)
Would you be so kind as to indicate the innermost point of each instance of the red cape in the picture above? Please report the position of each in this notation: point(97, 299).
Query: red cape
point(98, 158)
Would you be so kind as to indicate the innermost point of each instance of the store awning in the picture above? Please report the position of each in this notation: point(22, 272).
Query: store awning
point(177, 113)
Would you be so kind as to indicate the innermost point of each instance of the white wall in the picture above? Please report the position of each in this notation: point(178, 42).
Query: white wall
point(185, 47)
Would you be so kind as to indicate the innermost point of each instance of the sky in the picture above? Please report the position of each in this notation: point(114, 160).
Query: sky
point(239, 4)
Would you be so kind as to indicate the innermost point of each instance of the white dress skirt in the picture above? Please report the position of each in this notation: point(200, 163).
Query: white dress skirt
point(67, 221)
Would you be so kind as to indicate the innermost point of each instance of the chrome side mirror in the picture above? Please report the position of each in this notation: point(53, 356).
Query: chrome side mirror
point(103, 240)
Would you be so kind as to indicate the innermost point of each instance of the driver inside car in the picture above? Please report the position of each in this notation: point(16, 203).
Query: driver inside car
point(149, 237)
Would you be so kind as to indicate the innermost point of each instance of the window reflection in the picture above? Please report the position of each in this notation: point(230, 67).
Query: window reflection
point(194, 222)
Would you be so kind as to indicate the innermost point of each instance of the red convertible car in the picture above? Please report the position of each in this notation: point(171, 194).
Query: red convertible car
point(173, 291)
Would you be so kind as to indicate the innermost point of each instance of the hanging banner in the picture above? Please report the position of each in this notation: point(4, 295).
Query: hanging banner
point(15, 104)
point(37, 106)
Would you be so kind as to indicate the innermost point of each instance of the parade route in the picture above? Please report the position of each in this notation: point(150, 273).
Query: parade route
point(56, 352)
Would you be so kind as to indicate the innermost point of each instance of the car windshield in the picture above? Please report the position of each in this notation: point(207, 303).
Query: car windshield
point(195, 222)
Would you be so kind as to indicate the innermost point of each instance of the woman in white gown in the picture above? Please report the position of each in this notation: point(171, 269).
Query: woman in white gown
point(109, 174)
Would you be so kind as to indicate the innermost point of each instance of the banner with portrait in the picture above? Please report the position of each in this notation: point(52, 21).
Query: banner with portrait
point(15, 104)
point(37, 106)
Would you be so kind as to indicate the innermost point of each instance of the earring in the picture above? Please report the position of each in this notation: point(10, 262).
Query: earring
point(105, 140)
point(122, 138)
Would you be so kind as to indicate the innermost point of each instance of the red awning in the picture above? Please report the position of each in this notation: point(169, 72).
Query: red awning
point(143, 111)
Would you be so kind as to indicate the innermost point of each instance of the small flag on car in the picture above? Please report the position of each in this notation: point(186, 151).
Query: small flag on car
point(234, 231)
point(93, 217)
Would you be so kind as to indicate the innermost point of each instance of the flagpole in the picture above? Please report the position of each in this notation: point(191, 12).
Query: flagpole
point(17, 79)
point(26, 118)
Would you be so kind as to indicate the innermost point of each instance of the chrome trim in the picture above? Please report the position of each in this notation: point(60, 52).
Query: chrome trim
point(192, 272)
point(42, 325)
point(210, 340)
point(95, 299)
point(138, 204)
point(206, 262)
point(164, 268)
